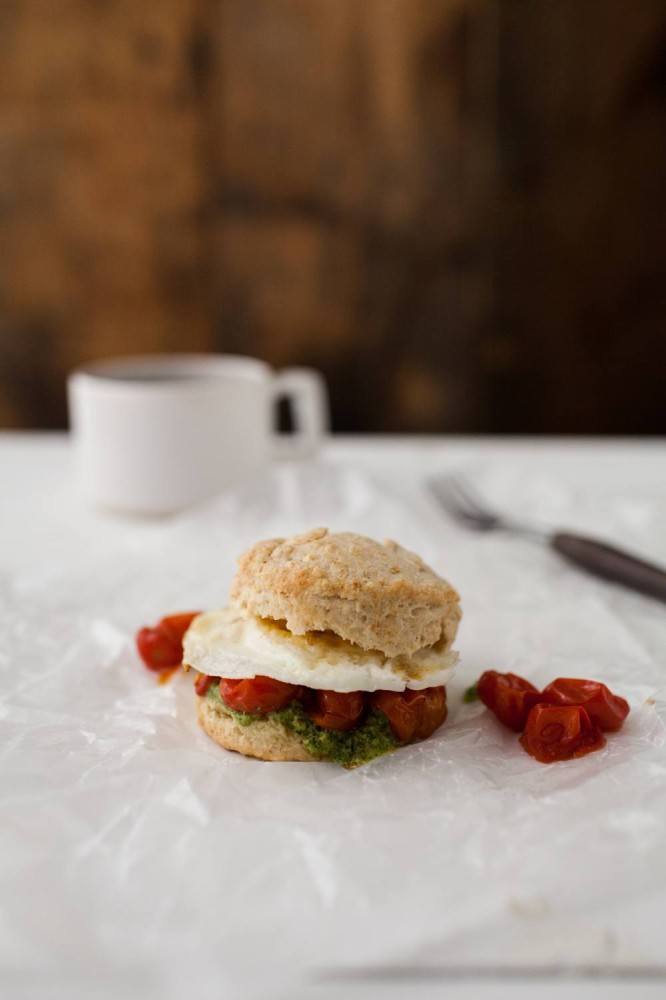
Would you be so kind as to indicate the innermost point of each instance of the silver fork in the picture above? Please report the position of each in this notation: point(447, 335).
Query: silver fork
point(598, 558)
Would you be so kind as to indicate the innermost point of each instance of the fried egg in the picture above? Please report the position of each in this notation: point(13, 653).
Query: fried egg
point(230, 643)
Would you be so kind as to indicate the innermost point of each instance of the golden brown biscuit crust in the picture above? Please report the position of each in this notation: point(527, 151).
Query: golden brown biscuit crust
point(266, 739)
point(379, 596)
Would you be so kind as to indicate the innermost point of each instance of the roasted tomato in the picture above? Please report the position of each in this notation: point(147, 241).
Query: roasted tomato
point(412, 714)
point(161, 646)
point(157, 649)
point(332, 710)
point(258, 695)
point(203, 682)
point(606, 710)
point(430, 706)
point(510, 697)
point(555, 732)
point(402, 716)
point(175, 626)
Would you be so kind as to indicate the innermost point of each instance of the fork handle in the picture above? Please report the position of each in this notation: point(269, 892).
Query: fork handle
point(611, 564)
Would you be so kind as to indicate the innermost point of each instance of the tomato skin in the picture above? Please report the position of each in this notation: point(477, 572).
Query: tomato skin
point(203, 682)
point(563, 721)
point(333, 710)
point(606, 710)
point(508, 696)
point(257, 695)
point(416, 703)
point(175, 626)
point(161, 646)
point(157, 649)
point(412, 715)
point(560, 732)
point(431, 711)
point(401, 715)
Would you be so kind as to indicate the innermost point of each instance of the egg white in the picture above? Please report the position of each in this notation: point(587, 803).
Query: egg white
point(229, 643)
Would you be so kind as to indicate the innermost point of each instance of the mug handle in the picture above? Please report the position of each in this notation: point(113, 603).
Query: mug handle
point(305, 388)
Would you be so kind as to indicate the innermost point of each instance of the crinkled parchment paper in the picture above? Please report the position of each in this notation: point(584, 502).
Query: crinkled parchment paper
point(137, 859)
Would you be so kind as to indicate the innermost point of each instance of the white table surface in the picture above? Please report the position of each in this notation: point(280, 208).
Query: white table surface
point(57, 561)
point(39, 490)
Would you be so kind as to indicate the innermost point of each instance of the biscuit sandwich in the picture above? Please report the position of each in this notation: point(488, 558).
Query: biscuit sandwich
point(334, 647)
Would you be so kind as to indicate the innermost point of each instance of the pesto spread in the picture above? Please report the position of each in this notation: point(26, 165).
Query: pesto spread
point(372, 738)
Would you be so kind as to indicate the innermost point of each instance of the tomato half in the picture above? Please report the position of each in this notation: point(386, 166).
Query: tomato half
point(430, 705)
point(606, 710)
point(508, 696)
point(257, 695)
point(555, 732)
point(333, 710)
point(402, 716)
point(157, 649)
point(412, 714)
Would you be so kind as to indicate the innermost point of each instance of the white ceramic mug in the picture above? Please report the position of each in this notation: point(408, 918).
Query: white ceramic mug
point(158, 432)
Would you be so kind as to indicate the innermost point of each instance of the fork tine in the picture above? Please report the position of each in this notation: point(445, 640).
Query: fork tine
point(448, 490)
point(448, 498)
point(471, 499)
point(460, 502)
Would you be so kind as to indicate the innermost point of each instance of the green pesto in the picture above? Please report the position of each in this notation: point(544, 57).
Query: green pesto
point(371, 739)
point(471, 694)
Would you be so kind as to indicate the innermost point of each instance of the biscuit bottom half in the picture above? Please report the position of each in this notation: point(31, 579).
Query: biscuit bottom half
point(291, 735)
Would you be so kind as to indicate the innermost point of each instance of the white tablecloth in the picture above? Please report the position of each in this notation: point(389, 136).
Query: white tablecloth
point(138, 859)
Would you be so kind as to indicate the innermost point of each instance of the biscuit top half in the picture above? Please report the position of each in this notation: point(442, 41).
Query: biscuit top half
point(378, 596)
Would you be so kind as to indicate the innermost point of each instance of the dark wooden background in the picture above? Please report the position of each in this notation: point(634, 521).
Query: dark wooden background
point(455, 208)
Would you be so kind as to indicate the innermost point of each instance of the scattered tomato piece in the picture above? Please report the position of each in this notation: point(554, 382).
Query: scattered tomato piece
point(161, 646)
point(606, 710)
point(563, 721)
point(175, 626)
point(158, 650)
point(508, 696)
point(555, 732)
